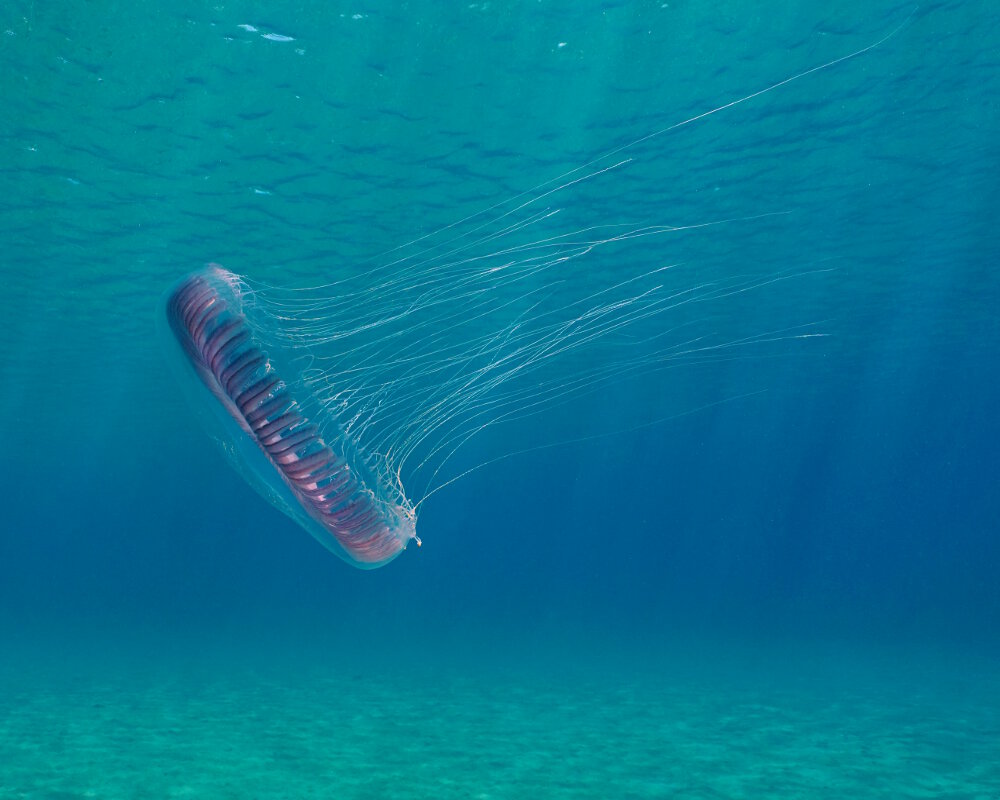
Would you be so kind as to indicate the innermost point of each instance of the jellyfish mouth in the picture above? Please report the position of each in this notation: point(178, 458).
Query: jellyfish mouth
point(321, 486)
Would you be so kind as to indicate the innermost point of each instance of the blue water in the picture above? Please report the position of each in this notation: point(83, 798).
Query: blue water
point(787, 586)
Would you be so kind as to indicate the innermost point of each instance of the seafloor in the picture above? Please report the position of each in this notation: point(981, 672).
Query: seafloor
point(722, 722)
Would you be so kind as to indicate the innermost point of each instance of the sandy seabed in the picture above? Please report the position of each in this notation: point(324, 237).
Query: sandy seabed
point(747, 724)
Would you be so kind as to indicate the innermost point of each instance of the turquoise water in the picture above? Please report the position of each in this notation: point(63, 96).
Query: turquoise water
point(764, 566)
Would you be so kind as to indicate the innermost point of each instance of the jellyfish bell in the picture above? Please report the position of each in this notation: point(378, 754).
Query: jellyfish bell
point(305, 467)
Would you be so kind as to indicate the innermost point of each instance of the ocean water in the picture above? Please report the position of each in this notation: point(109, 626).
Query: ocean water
point(764, 564)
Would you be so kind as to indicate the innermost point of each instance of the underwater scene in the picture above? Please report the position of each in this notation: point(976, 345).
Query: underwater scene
point(489, 400)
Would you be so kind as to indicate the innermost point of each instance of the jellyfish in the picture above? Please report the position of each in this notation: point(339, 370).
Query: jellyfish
point(334, 400)
point(323, 398)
